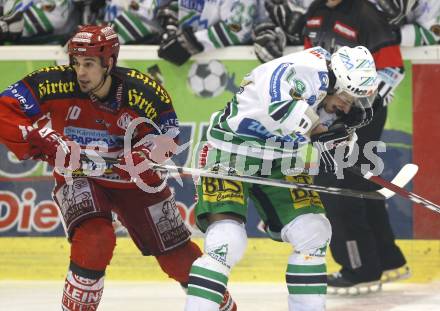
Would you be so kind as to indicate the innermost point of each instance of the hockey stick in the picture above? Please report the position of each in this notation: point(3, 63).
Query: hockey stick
point(395, 188)
point(401, 179)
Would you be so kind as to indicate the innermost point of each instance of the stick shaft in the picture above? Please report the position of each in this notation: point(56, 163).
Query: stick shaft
point(400, 191)
point(255, 180)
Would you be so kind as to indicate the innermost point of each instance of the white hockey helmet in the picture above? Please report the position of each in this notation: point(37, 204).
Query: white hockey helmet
point(355, 71)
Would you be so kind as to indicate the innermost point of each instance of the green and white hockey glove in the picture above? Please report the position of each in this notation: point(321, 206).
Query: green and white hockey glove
point(288, 16)
point(269, 41)
point(167, 16)
point(11, 26)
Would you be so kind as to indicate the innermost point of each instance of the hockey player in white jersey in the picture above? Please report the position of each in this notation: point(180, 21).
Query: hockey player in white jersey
point(281, 106)
point(38, 21)
point(194, 26)
point(419, 20)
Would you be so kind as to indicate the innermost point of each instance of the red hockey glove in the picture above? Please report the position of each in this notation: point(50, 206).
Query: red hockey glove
point(160, 148)
point(140, 158)
point(47, 144)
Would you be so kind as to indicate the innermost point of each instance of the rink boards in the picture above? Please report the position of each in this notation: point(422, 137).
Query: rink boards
point(264, 260)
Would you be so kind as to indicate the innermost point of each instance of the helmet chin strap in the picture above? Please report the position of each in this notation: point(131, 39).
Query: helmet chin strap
point(101, 84)
point(331, 82)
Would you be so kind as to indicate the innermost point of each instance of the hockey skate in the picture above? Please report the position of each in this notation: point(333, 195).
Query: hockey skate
point(397, 274)
point(228, 304)
point(338, 285)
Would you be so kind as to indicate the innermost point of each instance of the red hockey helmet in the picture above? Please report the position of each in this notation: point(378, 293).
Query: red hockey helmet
point(90, 40)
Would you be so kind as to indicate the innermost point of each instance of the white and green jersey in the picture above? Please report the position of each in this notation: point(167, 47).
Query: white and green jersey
point(423, 24)
point(134, 20)
point(218, 23)
point(268, 112)
point(43, 17)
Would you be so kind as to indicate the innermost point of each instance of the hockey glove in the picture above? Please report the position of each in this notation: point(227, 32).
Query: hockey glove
point(396, 11)
point(178, 47)
point(269, 41)
point(137, 166)
point(47, 145)
point(288, 16)
point(138, 162)
point(327, 142)
point(11, 26)
point(167, 16)
point(358, 116)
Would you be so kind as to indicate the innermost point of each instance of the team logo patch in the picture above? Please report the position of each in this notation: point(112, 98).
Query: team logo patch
point(221, 190)
point(303, 198)
point(345, 31)
point(124, 120)
point(220, 253)
point(314, 22)
point(75, 200)
point(169, 223)
point(298, 89)
point(324, 80)
point(311, 100)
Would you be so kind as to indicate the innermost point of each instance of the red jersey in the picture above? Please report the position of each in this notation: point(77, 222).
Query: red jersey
point(52, 95)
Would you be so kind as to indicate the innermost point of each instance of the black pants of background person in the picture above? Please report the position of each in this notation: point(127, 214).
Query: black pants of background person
point(363, 242)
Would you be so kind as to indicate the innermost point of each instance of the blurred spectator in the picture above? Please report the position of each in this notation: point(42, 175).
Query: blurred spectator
point(133, 20)
point(363, 242)
point(419, 20)
point(269, 39)
point(37, 21)
point(194, 26)
point(280, 22)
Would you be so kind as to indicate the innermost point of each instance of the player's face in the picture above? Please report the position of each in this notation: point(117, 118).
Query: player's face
point(89, 72)
point(332, 103)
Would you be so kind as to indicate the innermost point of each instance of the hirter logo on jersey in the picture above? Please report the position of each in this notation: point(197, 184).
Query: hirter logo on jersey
point(345, 31)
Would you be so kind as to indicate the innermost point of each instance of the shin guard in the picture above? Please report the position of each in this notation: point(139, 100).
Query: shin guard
point(82, 289)
point(225, 243)
point(306, 274)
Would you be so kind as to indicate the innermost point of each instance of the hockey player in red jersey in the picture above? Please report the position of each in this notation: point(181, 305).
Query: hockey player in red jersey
point(55, 111)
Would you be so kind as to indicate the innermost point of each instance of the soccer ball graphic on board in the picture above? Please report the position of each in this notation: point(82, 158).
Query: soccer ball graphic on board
point(208, 78)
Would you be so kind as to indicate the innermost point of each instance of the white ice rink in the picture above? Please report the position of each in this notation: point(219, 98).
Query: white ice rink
point(164, 296)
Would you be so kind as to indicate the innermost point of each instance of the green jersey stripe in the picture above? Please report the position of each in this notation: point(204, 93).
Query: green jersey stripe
point(232, 36)
point(29, 27)
point(212, 37)
point(44, 21)
point(289, 111)
point(195, 270)
point(219, 30)
point(429, 38)
point(185, 18)
point(124, 35)
point(125, 20)
point(140, 26)
point(312, 290)
point(306, 268)
point(203, 293)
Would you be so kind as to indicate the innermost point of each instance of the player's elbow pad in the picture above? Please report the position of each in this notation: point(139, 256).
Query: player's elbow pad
point(308, 121)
